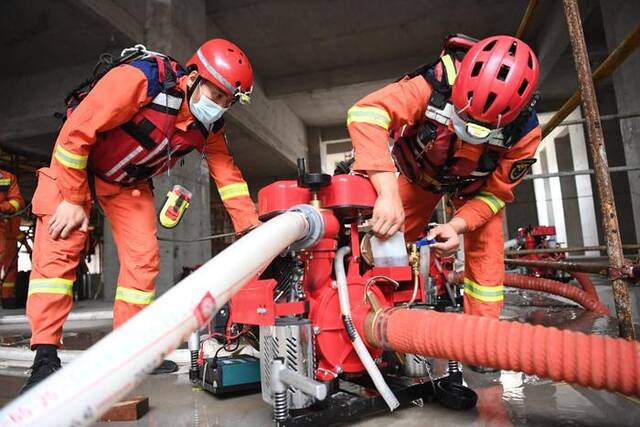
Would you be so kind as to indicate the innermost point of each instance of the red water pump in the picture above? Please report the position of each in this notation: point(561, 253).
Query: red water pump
point(302, 284)
point(541, 237)
point(312, 307)
point(312, 348)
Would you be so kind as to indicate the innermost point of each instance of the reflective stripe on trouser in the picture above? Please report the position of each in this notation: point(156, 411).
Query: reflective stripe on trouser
point(483, 293)
point(484, 268)
point(8, 290)
point(484, 247)
point(230, 191)
point(133, 225)
point(134, 296)
point(56, 285)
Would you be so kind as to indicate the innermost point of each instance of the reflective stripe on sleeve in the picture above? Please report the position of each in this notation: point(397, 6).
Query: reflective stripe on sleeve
point(494, 203)
point(15, 204)
point(371, 115)
point(70, 160)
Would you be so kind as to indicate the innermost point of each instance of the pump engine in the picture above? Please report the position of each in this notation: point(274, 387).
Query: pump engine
point(310, 369)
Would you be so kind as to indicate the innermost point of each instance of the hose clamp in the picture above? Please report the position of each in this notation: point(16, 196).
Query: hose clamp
point(315, 227)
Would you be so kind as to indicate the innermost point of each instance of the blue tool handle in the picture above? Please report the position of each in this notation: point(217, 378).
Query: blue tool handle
point(425, 242)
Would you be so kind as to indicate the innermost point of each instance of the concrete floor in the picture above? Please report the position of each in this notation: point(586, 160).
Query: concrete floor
point(505, 399)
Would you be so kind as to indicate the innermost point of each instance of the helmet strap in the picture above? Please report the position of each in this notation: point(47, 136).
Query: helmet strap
point(191, 89)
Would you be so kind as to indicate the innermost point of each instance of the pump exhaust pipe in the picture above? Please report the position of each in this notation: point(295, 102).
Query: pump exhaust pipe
point(82, 391)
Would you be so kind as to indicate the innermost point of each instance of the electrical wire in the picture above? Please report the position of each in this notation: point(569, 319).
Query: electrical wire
point(226, 340)
point(200, 239)
point(18, 213)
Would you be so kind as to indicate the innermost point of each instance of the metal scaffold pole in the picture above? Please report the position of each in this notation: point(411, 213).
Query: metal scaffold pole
point(600, 166)
point(526, 18)
point(604, 70)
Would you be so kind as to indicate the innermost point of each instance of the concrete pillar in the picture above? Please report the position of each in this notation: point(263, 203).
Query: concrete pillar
point(619, 18)
point(618, 154)
point(174, 27)
point(569, 191)
point(552, 190)
point(584, 192)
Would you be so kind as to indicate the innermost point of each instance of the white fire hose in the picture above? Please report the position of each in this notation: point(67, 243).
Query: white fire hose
point(82, 391)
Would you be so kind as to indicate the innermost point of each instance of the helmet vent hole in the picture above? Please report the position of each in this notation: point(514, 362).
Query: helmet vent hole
point(503, 73)
point(523, 86)
point(492, 97)
point(512, 49)
point(238, 84)
point(505, 111)
point(489, 46)
point(476, 69)
point(530, 61)
point(239, 61)
point(469, 95)
point(230, 50)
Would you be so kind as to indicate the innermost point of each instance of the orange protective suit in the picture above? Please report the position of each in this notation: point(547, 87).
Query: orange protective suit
point(10, 202)
point(113, 101)
point(387, 111)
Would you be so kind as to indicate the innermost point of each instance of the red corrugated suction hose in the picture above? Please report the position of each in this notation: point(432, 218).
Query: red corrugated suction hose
point(586, 284)
point(556, 288)
point(551, 287)
point(589, 360)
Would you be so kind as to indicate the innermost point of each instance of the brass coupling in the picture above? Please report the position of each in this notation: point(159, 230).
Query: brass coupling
point(371, 318)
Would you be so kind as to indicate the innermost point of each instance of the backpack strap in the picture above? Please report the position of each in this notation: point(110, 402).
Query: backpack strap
point(526, 121)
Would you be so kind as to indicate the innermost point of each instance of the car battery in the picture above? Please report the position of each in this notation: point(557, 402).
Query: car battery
point(230, 374)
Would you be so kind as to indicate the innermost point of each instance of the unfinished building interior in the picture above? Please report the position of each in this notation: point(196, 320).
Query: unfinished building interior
point(271, 286)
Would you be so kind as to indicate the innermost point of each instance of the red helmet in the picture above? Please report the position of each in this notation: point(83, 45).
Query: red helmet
point(225, 65)
point(496, 80)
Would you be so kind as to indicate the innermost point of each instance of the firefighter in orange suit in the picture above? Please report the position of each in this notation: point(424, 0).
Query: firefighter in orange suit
point(136, 122)
point(463, 126)
point(10, 202)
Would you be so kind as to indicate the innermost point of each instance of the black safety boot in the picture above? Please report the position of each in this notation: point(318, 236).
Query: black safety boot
point(483, 369)
point(45, 363)
point(166, 367)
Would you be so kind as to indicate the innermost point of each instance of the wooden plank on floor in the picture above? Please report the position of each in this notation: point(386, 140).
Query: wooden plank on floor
point(131, 409)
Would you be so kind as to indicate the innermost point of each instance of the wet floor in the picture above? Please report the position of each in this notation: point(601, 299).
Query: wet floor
point(505, 398)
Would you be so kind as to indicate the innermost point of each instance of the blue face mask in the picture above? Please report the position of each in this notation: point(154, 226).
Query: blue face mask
point(206, 111)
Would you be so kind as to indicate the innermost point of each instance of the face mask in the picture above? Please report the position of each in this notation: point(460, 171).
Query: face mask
point(206, 111)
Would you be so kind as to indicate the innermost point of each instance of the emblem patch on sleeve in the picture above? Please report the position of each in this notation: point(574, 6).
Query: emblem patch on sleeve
point(520, 168)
